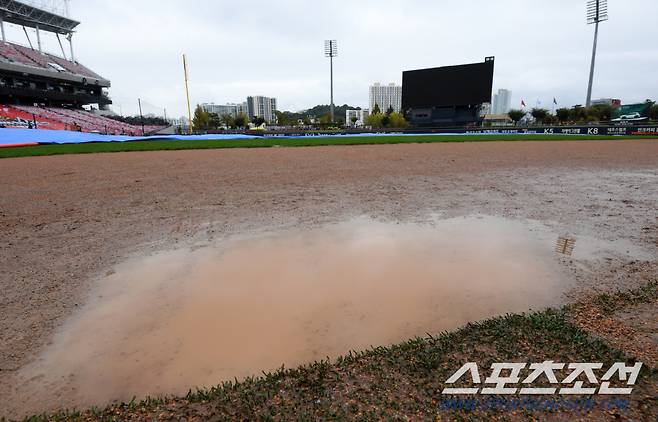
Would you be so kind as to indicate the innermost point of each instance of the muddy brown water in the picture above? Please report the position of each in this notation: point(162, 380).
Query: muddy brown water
point(169, 322)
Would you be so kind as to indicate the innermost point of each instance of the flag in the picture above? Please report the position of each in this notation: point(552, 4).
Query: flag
point(554, 101)
point(522, 103)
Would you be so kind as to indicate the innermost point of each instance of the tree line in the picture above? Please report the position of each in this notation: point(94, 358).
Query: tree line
point(575, 115)
point(390, 119)
point(319, 116)
point(203, 120)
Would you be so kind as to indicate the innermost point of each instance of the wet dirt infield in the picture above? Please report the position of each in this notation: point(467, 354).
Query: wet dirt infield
point(68, 223)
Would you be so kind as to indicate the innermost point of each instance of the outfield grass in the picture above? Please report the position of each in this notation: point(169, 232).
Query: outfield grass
point(277, 142)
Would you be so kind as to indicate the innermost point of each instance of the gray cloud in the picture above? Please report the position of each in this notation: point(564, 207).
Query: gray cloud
point(270, 48)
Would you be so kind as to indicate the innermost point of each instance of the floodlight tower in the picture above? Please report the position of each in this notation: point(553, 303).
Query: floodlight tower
point(597, 12)
point(331, 51)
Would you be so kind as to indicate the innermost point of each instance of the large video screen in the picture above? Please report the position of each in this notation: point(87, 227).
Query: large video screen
point(448, 86)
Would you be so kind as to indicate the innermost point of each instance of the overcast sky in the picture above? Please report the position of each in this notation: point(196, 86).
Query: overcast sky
point(275, 48)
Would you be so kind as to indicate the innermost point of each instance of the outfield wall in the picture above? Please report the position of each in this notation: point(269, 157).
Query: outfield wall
point(570, 130)
point(540, 130)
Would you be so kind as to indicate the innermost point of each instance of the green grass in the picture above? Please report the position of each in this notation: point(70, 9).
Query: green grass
point(277, 142)
point(609, 303)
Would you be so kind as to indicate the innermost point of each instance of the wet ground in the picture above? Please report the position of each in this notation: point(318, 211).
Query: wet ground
point(70, 223)
point(182, 319)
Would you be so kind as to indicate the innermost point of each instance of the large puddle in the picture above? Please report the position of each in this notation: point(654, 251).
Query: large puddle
point(170, 322)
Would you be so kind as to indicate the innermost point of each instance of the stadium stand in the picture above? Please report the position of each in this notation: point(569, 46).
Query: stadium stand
point(80, 120)
point(47, 91)
point(15, 53)
point(10, 54)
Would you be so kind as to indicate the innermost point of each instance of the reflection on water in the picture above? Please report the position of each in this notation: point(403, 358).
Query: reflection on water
point(176, 320)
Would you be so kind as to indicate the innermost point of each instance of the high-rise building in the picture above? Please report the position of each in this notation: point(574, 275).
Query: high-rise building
point(229, 108)
point(359, 115)
point(386, 96)
point(502, 102)
point(265, 107)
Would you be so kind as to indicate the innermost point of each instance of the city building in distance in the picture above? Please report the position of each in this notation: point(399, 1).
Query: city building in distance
point(259, 106)
point(223, 109)
point(612, 102)
point(386, 96)
point(255, 106)
point(502, 102)
point(359, 115)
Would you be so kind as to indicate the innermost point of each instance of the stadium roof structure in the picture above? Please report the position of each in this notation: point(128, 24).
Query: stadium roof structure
point(33, 17)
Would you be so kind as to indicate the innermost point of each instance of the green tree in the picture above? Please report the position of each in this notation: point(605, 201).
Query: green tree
point(563, 114)
point(516, 115)
point(600, 112)
point(550, 119)
point(578, 114)
point(390, 110)
point(653, 112)
point(201, 120)
point(241, 121)
point(376, 109)
point(354, 119)
point(375, 120)
point(286, 118)
point(228, 120)
point(397, 120)
point(257, 121)
point(539, 114)
point(214, 121)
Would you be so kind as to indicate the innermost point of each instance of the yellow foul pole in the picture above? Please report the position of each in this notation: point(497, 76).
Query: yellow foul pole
point(187, 92)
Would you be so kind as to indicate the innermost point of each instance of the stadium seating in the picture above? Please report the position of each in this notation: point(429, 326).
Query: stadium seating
point(9, 53)
point(86, 121)
point(26, 56)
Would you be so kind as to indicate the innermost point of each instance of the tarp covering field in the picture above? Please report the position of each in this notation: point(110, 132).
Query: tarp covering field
point(22, 137)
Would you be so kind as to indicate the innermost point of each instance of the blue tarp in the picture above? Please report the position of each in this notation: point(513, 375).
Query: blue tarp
point(10, 137)
point(42, 136)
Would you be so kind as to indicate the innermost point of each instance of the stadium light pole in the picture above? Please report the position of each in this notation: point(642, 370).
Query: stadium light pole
point(331, 51)
point(597, 12)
